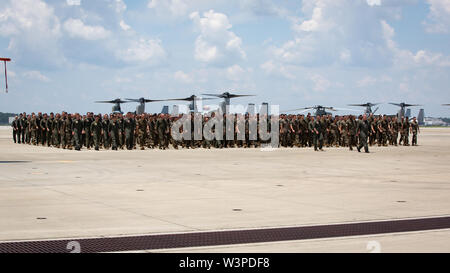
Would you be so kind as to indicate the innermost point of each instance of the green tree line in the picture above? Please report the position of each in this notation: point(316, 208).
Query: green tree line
point(4, 117)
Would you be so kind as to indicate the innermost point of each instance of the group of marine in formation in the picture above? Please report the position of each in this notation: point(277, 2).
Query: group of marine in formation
point(118, 131)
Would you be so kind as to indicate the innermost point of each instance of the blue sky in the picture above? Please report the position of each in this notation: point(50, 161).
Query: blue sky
point(68, 54)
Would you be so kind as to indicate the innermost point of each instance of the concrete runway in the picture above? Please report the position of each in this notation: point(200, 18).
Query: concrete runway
point(108, 193)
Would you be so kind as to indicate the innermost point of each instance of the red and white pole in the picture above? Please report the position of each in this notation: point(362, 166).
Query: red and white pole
point(6, 73)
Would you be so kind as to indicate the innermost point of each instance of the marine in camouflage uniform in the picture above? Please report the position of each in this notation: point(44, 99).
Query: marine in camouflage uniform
point(142, 129)
point(67, 135)
point(304, 131)
point(38, 132)
point(28, 130)
point(55, 130)
point(120, 120)
point(43, 129)
point(342, 126)
point(105, 129)
point(15, 128)
point(239, 131)
point(406, 126)
point(161, 127)
point(395, 128)
point(316, 129)
point(153, 133)
point(327, 131)
point(294, 138)
point(414, 130)
point(113, 129)
point(347, 127)
point(77, 129)
point(284, 131)
point(372, 129)
point(34, 129)
point(22, 127)
point(363, 129)
point(87, 129)
point(129, 125)
point(174, 142)
point(50, 130)
point(96, 132)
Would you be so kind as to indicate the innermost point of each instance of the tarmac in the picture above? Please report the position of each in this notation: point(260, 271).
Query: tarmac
point(48, 193)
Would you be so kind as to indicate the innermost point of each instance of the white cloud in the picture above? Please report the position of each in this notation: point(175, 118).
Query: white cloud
point(77, 29)
point(33, 31)
point(235, 72)
point(404, 87)
point(73, 2)
point(439, 16)
point(22, 16)
point(124, 25)
point(36, 75)
point(366, 81)
point(119, 6)
point(345, 56)
point(317, 21)
point(353, 36)
point(183, 77)
point(175, 7)
point(374, 2)
point(12, 74)
point(320, 82)
point(216, 42)
point(277, 69)
point(123, 80)
point(143, 51)
point(407, 59)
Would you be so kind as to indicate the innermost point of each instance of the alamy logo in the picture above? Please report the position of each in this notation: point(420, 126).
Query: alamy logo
point(218, 126)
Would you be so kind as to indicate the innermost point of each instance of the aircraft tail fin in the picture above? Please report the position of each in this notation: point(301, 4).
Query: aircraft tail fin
point(421, 117)
point(165, 110)
point(408, 113)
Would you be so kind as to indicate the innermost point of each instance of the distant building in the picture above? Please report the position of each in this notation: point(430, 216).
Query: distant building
point(435, 122)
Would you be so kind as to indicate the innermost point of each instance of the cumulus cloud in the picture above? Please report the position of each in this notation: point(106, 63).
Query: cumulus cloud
point(317, 21)
point(124, 25)
point(235, 73)
point(408, 59)
point(438, 20)
point(147, 51)
point(374, 2)
point(33, 31)
point(320, 82)
point(118, 5)
point(366, 81)
point(323, 36)
point(216, 42)
point(77, 29)
point(175, 7)
point(276, 68)
point(357, 35)
point(183, 77)
point(73, 2)
point(36, 75)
